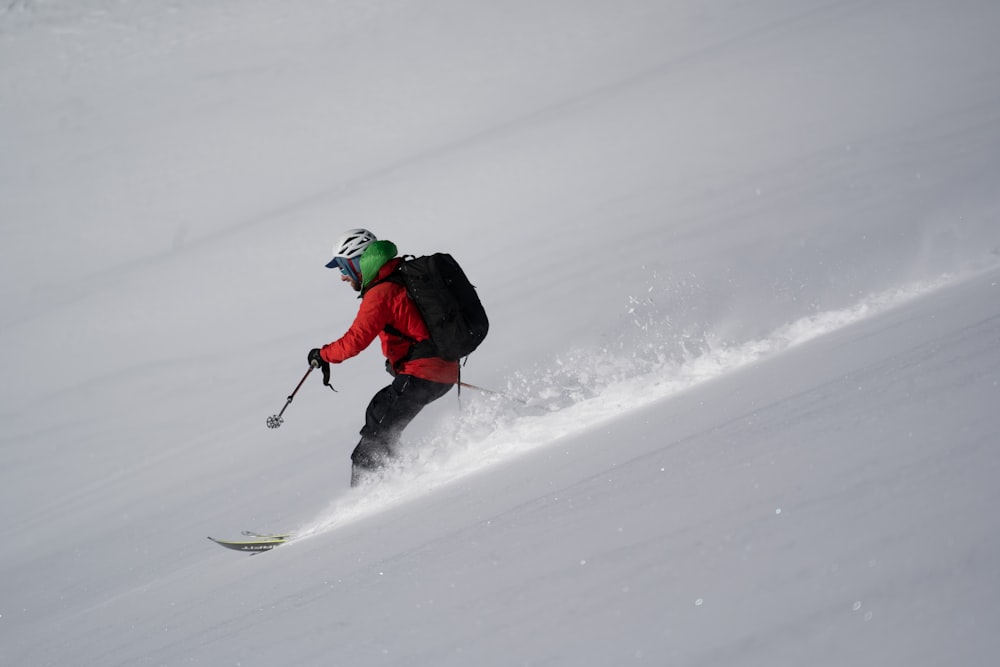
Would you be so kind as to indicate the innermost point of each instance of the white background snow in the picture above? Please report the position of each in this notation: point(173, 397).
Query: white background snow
point(741, 265)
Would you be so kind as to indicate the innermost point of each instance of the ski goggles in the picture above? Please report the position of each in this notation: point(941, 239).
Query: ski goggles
point(348, 267)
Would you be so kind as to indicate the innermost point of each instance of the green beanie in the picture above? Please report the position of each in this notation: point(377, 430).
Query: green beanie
point(374, 258)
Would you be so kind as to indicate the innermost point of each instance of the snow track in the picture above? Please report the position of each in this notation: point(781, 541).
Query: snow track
point(498, 430)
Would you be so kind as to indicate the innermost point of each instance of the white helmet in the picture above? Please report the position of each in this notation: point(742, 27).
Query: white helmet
point(350, 246)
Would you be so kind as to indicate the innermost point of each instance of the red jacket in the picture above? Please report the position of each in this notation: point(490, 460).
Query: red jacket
point(386, 304)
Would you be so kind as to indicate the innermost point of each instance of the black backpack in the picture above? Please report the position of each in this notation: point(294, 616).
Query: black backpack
point(448, 304)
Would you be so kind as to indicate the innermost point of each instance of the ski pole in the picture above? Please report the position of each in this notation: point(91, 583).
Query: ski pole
point(274, 421)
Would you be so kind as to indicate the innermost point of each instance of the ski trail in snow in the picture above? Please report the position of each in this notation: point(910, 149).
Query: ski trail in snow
point(452, 457)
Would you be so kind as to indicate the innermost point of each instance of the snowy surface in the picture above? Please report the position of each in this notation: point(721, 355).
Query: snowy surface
point(742, 262)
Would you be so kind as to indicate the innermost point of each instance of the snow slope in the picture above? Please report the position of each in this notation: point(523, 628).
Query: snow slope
point(833, 505)
point(740, 262)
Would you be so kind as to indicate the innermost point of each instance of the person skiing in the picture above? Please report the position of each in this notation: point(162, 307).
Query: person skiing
point(388, 313)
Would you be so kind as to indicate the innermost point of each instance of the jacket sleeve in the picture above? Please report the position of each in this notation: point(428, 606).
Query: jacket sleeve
point(371, 319)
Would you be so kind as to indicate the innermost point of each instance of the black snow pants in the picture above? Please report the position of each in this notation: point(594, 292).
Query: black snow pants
point(388, 413)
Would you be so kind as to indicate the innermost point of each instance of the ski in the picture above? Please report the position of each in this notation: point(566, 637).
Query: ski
point(255, 544)
point(273, 536)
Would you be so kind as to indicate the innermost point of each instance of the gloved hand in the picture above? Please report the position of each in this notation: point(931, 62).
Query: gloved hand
point(316, 361)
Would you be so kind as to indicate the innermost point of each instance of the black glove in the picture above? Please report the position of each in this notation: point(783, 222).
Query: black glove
point(316, 361)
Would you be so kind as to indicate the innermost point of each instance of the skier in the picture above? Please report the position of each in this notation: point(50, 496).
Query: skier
point(388, 313)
